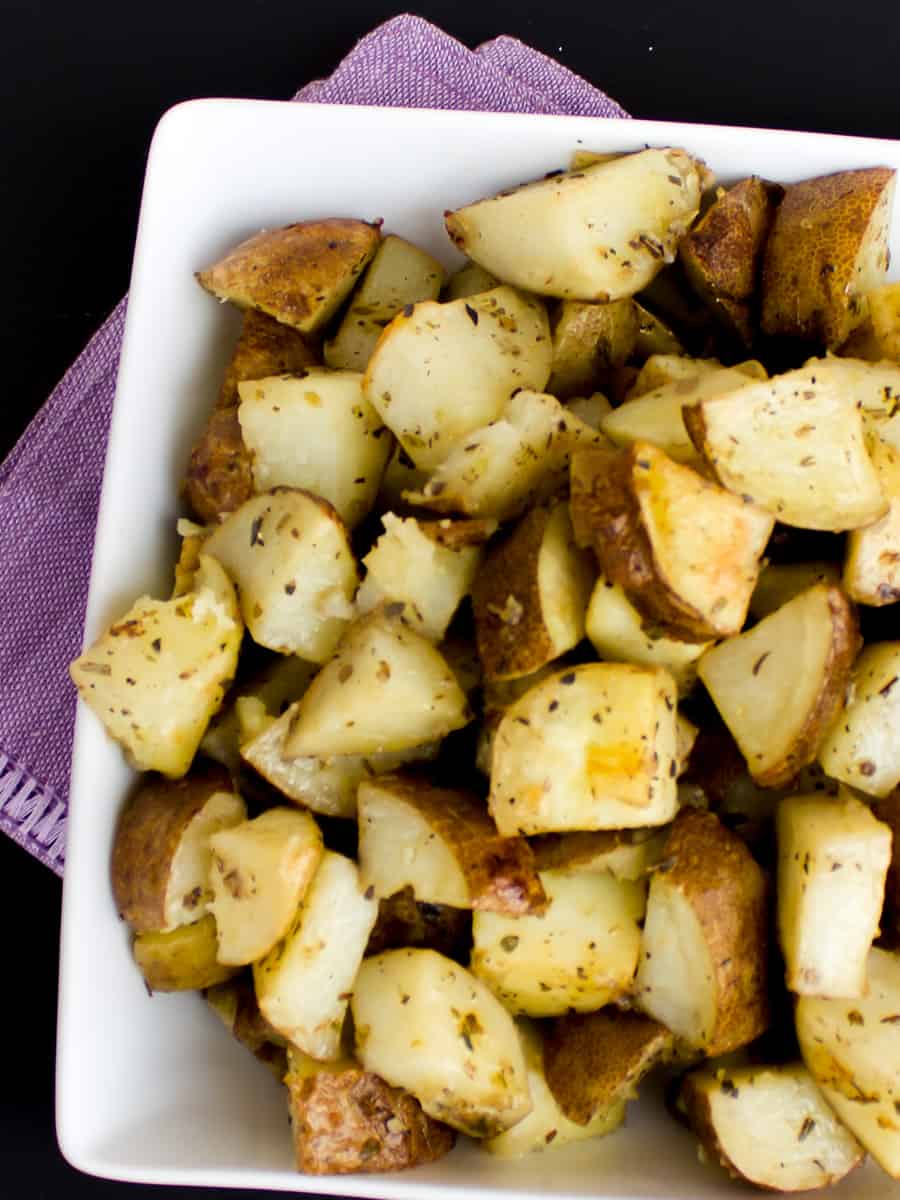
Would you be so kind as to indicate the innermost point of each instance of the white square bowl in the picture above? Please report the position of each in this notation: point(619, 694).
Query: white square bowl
point(153, 1090)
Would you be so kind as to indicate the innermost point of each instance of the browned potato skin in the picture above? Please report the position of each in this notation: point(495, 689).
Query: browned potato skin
point(248, 1026)
point(721, 255)
point(298, 274)
point(183, 960)
point(403, 921)
point(459, 534)
point(265, 347)
point(148, 835)
point(588, 339)
point(567, 851)
point(499, 871)
point(807, 280)
point(219, 476)
point(715, 871)
point(591, 1060)
point(352, 1120)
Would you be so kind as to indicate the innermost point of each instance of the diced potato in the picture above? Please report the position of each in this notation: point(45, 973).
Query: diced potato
point(400, 475)
point(303, 984)
point(588, 339)
point(289, 554)
point(265, 347)
point(426, 1024)
point(469, 280)
point(589, 409)
point(428, 566)
point(600, 233)
point(399, 274)
point(591, 747)
point(291, 425)
point(779, 686)
point(665, 368)
point(654, 335)
point(259, 872)
point(156, 677)
point(443, 844)
point(795, 445)
point(833, 858)
point(530, 596)
point(497, 697)
point(770, 1126)
point(627, 854)
point(182, 960)
point(616, 631)
point(546, 1125)
point(827, 248)
point(861, 748)
point(387, 688)
point(850, 1048)
point(160, 858)
point(685, 551)
point(444, 370)
point(878, 337)
point(702, 971)
point(872, 564)
point(578, 955)
point(299, 274)
point(780, 582)
point(219, 476)
point(594, 1061)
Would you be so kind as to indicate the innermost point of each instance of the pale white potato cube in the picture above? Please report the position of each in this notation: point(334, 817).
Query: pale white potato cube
point(861, 748)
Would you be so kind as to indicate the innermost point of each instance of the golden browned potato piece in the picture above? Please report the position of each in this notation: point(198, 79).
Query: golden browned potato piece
point(624, 853)
point(587, 340)
point(265, 347)
point(878, 337)
point(827, 248)
point(404, 921)
point(351, 1120)
point(685, 550)
point(298, 274)
point(721, 254)
point(183, 960)
point(219, 474)
point(594, 1060)
point(161, 856)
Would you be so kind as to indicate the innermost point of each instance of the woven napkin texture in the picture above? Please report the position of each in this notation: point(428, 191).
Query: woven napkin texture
point(50, 483)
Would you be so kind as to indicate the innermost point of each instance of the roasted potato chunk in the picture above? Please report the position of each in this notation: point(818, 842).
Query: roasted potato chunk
point(469, 280)
point(234, 1003)
point(219, 475)
point(860, 749)
point(878, 337)
point(872, 562)
point(627, 854)
point(182, 960)
point(161, 854)
point(299, 274)
point(588, 339)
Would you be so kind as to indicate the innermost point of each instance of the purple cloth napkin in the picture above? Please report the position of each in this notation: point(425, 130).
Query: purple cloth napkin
point(50, 483)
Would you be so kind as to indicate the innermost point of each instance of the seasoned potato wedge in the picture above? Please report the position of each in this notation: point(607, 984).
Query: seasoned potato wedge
point(795, 445)
point(530, 596)
point(291, 425)
point(833, 857)
point(600, 233)
point(299, 274)
point(588, 339)
point(770, 1126)
point(685, 551)
point(399, 274)
point(469, 280)
point(303, 984)
point(182, 960)
point(161, 855)
point(627, 854)
point(618, 634)
point(428, 566)
point(577, 955)
point(878, 337)
point(156, 677)
point(872, 563)
point(779, 686)
point(702, 971)
point(386, 688)
point(780, 582)
point(259, 873)
point(443, 844)
point(850, 1048)
point(289, 555)
point(721, 255)
point(591, 747)
point(861, 748)
point(546, 1125)
point(426, 1024)
point(827, 248)
point(595, 1060)
point(219, 475)
point(444, 370)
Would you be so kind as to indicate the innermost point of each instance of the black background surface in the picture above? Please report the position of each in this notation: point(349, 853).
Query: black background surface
point(81, 88)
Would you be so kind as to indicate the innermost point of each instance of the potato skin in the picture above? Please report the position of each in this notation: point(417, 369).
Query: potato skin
point(183, 960)
point(265, 347)
point(219, 474)
point(353, 1120)
point(404, 921)
point(148, 835)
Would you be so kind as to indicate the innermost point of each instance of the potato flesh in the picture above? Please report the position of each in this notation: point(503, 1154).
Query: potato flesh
point(156, 677)
point(833, 857)
point(598, 234)
point(187, 896)
point(771, 685)
point(872, 563)
point(303, 985)
point(771, 1127)
point(259, 872)
point(860, 748)
point(291, 426)
point(578, 955)
point(675, 984)
point(849, 1047)
point(446, 370)
point(427, 1024)
point(627, 854)
point(289, 555)
point(563, 580)
point(469, 280)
